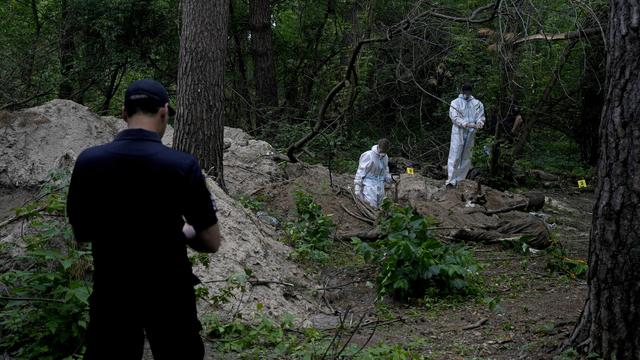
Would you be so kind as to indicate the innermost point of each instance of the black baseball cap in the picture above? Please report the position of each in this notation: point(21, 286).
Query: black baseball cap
point(148, 89)
point(466, 87)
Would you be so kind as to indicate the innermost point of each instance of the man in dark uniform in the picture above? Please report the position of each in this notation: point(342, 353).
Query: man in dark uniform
point(139, 203)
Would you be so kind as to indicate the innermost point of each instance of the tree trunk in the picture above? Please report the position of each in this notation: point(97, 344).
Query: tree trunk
point(199, 126)
point(264, 71)
point(67, 49)
point(609, 321)
point(30, 61)
point(591, 84)
point(112, 87)
point(241, 69)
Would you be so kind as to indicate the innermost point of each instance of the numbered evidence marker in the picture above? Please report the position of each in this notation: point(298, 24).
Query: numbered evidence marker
point(582, 184)
point(410, 170)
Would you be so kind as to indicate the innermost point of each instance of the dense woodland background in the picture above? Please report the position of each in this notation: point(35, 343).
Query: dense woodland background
point(284, 57)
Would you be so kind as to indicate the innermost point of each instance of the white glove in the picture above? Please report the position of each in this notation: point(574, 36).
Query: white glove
point(479, 125)
point(357, 189)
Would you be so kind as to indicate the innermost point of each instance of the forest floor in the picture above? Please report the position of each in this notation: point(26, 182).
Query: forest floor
point(525, 311)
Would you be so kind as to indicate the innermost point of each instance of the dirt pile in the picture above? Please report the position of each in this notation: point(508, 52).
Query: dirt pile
point(251, 244)
point(248, 163)
point(33, 141)
point(37, 140)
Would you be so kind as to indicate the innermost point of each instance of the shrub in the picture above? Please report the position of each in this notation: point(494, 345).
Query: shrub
point(310, 233)
point(413, 263)
point(44, 308)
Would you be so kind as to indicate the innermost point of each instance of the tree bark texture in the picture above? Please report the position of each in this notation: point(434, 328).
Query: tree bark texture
point(67, 50)
point(264, 71)
point(592, 88)
point(239, 35)
point(199, 126)
point(610, 321)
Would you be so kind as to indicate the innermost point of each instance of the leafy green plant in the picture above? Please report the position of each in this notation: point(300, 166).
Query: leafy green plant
point(559, 262)
point(264, 339)
point(255, 203)
point(236, 282)
point(44, 311)
point(310, 233)
point(270, 339)
point(413, 263)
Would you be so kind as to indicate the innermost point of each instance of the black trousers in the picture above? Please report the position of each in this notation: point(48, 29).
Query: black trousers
point(117, 328)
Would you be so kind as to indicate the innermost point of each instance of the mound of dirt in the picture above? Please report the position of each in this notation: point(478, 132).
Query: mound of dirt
point(250, 244)
point(330, 191)
point(466, 210)
point(248, 164)
point(33, 141)
point(37, 140)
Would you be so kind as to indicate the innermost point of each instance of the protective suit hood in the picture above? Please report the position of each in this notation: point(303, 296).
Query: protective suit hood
point(374, 148)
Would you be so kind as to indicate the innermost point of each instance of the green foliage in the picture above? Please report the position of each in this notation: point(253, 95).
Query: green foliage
point(265, 339)
point(559, 262)
point(56, 324)
point(555, 153)
point(413, 263)
point(200, 259)
point(48, 313)
point(255, 203)
point(236, 282)
point(268, 339)
point(310, 233)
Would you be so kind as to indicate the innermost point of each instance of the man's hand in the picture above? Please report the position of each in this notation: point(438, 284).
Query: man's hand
point(469, 126)
point(479, 125)
point(207, 241)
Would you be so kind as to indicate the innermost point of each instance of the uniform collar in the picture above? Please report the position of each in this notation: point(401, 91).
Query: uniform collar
point(138, 134)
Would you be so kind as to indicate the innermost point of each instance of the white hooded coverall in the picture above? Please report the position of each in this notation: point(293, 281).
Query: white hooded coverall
point(463, 112)
point(372, 174)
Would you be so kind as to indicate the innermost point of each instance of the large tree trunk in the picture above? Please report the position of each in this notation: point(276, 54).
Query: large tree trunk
point(239, 34)
point(610, 321)
point(199, 126)
point(264, 71)
point(593, 91)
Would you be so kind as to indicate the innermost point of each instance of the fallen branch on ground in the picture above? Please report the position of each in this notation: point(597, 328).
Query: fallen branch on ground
point(18, 217)
point(476, 324)
point(369, 221)
point(30, 299)
point(255, 282)
point(370, 235)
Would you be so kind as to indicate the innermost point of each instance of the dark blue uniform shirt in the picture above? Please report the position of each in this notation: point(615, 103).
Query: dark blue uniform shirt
point(128, 198)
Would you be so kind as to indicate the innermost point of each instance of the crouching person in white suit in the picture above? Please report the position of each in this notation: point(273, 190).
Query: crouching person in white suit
point(373, 173)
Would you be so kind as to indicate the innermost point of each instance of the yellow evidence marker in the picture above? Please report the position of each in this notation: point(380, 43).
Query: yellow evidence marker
point(410, 170)
point(582, 184)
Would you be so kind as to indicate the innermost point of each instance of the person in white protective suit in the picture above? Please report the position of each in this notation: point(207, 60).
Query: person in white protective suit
point(373, 173)
point(467, 116)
